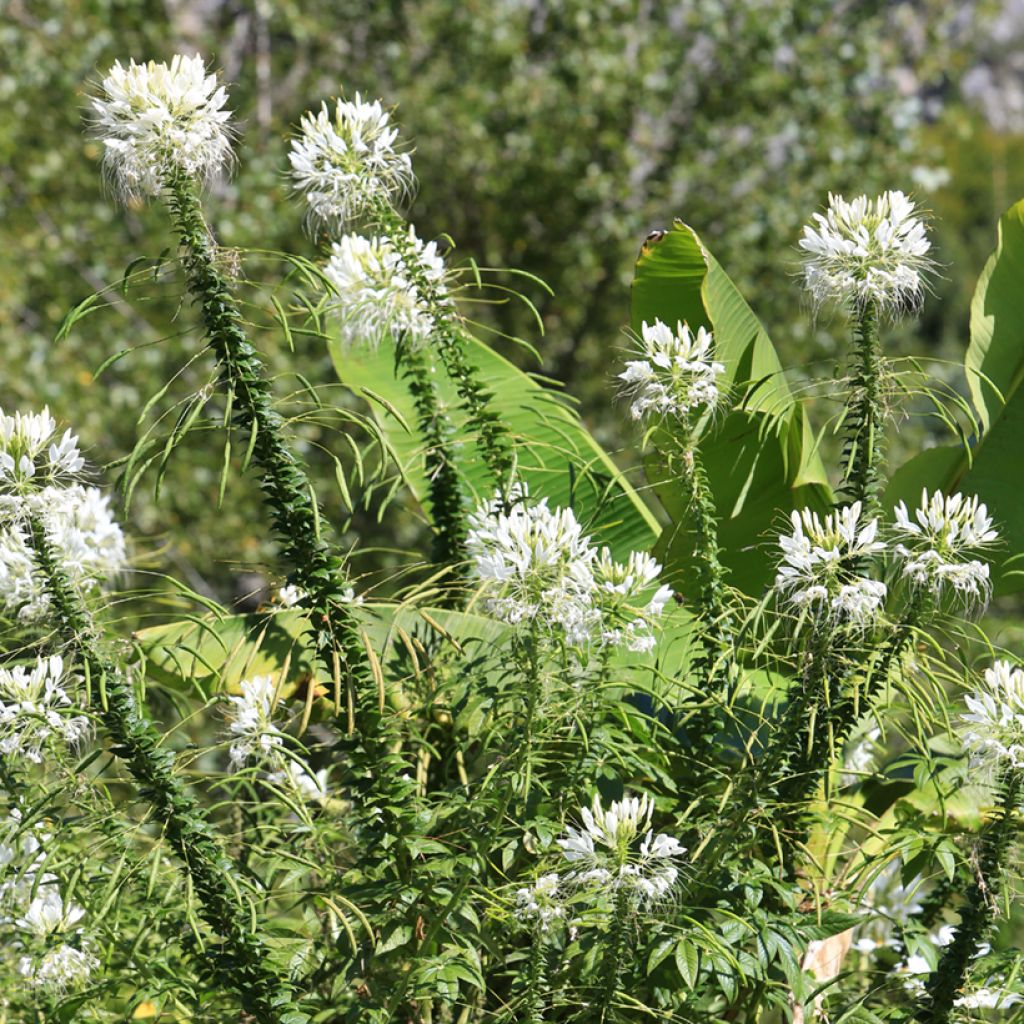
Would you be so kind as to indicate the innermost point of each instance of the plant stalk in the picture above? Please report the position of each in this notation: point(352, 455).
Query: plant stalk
point(243, 963)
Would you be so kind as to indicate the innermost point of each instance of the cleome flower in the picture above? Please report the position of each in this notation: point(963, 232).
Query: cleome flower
point(622, 595)
point(32, 453)
point(819, 566)
point(540, 904)
point(534, 564)
point(933, 545)
point(250, 720)
point(867, 250)
point(676, 374)
point(309, 785)
point(63, 966)
point(995, 718)
point(33, 703)
point(81, 528)
point(346, 163)
point(616, 849)
point(156, 120)
point(538, 568)
point(378, 294)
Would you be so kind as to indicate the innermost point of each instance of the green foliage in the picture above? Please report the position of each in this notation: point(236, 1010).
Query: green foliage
point(762, 461)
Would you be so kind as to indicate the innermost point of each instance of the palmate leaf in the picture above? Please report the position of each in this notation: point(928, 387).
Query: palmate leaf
point(992, 465)
point(762, 461)
point(556, 456)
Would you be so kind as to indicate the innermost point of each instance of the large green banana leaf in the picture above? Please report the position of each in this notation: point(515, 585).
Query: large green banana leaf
point(992, 466)
point(556, 456)
point(762, 461)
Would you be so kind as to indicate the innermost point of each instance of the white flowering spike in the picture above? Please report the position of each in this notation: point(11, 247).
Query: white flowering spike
point(535, 566)
point(310, 786)
point(158, 120)
point(868, 251)
point(988, 998)
point(617, 849)
point(676, 375)
point(289, 596)
point(81, 528)
point(935, 542)
point(48, 914)
point(540, 904)
point(818, 570)
point(622, 594)
point(995, 716)
point(378, 294)
point(250, 720)
point(346, 163)
point(60, 970)
point(33, 708)
point(33, 454)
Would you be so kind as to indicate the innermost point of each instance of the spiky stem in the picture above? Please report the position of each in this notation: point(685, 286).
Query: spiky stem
point(713, 662)
point(444, 496)
point(865, 415)
point(315, 565)
point(449, 341)
point(614, 952)
point(242, 963)
point(978, 913)
point(535, 979)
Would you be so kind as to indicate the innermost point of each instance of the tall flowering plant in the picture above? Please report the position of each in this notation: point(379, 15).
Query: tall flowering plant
point(557, 768)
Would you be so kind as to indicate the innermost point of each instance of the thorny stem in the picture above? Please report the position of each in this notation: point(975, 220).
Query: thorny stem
point(863, 450)
point(535, 979)
point(316, 567)
point(449, 340)
point(614, 953)
point(243, 962)
point(445, 498)
point(978, 913)
point(716, 640)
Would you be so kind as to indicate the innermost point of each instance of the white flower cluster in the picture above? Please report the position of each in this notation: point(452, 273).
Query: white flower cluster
point(616, 849)
point(291, 596)
point(379, 293)
point(80, 526)
point(538, 568)
point(311, 786)
point(867, 250)
point(540, 904)
point(250, 720)
point(988, 998)
point(995, 716)
point(676, 375)
point(157, 120)
point(347, 164)
point(31, 903)
point(33, 703)
point(32, 454)
point(819, 566)
point(257, 738)
point(933, 544)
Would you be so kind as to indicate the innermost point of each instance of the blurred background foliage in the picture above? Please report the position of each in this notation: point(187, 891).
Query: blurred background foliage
point(551, 136)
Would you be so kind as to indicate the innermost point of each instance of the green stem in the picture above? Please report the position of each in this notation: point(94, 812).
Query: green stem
point(449, 340)
point(979, 910)
point(444, 495)
point(614, 954)
point(316, 567)
point(243, 961)
point(865, 439)
point(811, 754)
point(535, 980)
point(713, 665)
